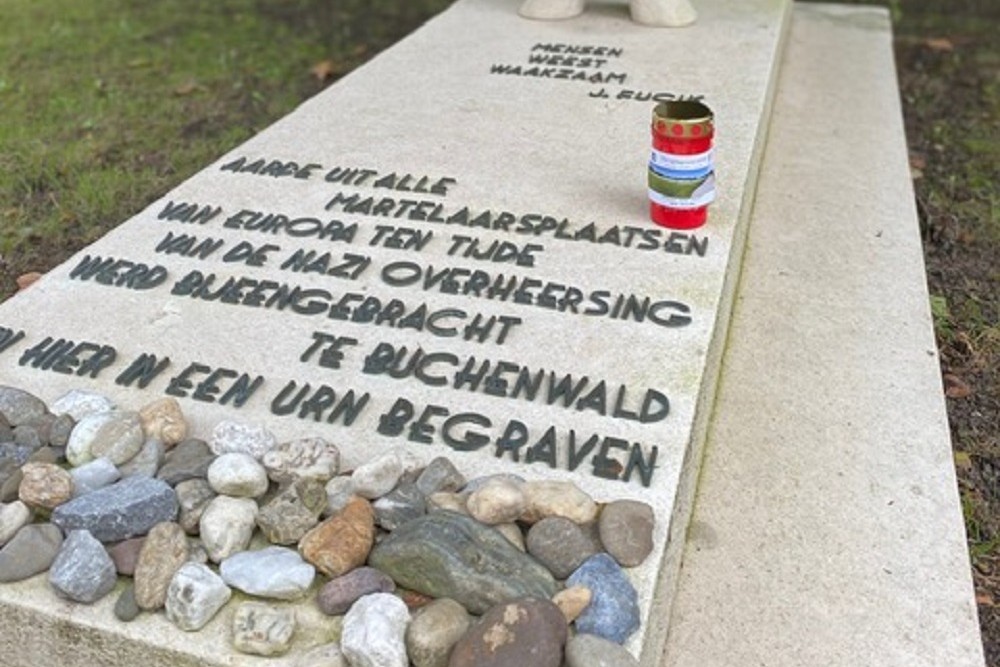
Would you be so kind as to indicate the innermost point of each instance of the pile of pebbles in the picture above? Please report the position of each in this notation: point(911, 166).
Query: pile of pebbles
point(419, 565)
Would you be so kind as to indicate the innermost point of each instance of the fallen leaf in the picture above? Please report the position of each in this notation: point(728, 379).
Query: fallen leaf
point(963, 461)
point(985, 598)
point(954, 387)
point(939, 44)
point(323, 70)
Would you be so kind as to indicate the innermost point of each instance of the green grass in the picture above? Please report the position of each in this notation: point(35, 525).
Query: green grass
point(106, 105)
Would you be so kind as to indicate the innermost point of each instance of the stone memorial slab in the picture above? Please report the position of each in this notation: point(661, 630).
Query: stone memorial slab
point(447, 252)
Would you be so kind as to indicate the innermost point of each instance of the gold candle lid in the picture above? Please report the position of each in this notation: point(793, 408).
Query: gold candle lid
point(683, 119)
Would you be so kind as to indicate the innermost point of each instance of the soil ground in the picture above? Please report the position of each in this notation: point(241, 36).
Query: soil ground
point(107, 105)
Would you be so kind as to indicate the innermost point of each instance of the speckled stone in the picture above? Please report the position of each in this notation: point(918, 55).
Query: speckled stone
point(147, 462)
point(586, 650)
point(272, 572)
point(126, 610)
point(339, 492)
point(337, 595)
point(374, 632)
point(227, 525)
point(239, 475)
point(626, 528)
point(560, 545)
point(79, 404)
point(377, 477)
point(125, 554)
point(547, 498)
point(193, 496)
point(434, 630)
point(308, 458)
point(293, 512)
point(260, 629)
point(402, 504)
point(94, 475)
point(13, 517)
point(82, 571)
point(195, 595)
point(125, 509)
point(44, 485)
point(114, 435)
point(572, 601)
point(613, 612)
point(448, 555)
point(231, 436)
point(497, 501)
point(163, 420)
point(30, 551)
point(162, 554)
point(440, 475)
point(521, 632)
point(18, 406)
point(342, 542)
point(188, 460)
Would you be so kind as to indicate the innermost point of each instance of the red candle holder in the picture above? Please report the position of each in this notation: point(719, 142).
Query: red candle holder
point(681, 166)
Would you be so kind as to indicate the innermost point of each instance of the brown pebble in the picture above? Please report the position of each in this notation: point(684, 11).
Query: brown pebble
point(342, 542)
point(572, 601)
point(413, 599)
point(126, 554)
point(44, 485)
point(26, 280)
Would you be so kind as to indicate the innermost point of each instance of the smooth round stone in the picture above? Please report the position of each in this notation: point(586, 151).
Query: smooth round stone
point(83, 571)
point(162, 554)
point(31, 551)
point(44, 485)
point(193, 496)
point(19, 407)
point(308, 458)
point(13, 517)
point(94, 475)
point(521, 632)
point(342, 542)
point(586, 650)
point(15, 453)
point(339, 492)
point(513, 534)
point(79, 404)
point(272, 572)
point(572, 601)
point(337, 596)
point(194, 596)
point(188, 460)
point(377, 477)
point(613, 612)
point(626, 528)
point(434, 630)
point(125, 509)
point(479, 482)
point(551, 498)
point(497, 501)
point(231, 436)
point(325, 655)
point(440, 475)
point(445, 501)
point(11, 486)
point(238, 475)
point(114, 435)
point(126, 610)
point(163, 420)
point(374, 632)
point(260, 629)
point(402, 504)
point(560, 545)
point(292, 513)
point(125, 555)
point(449, 555)
point(227, 525)
point(147, 462)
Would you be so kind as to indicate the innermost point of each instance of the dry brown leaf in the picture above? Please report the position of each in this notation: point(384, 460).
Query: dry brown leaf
point(26, 280)
point(323, 70)
point(939, 44)
point(985, 598)
point(954, 387)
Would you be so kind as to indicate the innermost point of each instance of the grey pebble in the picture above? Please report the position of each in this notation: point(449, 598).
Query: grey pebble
point(402, 504)
point(190, 459)
point(30, 552)
point(440, 475)
point(125, 509)
point(82, 571)
point(560, 545)
point(586, 650)
point(126, 609)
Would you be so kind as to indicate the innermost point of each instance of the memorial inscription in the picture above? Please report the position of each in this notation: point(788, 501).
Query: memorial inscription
point(476, 279)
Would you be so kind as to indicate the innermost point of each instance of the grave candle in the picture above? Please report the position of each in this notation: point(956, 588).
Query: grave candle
point(681, 176)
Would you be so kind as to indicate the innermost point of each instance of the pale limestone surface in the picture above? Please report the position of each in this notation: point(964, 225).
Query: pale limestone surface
point(827, 528)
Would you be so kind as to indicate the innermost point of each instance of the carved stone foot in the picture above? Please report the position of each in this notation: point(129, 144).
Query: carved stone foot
point(550, 10)
point(663, 13)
